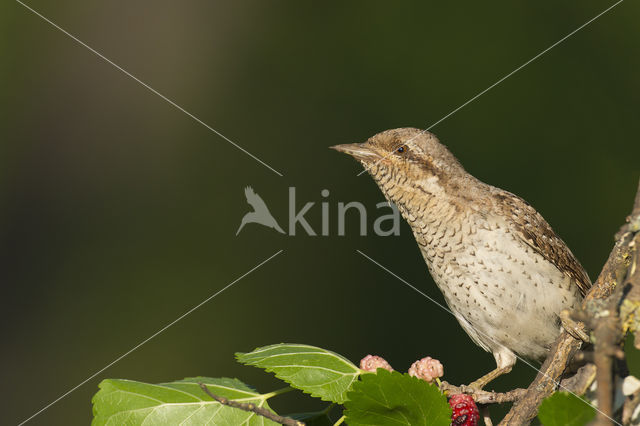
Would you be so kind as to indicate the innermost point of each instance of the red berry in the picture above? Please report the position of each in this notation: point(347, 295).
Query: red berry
point(465, 410)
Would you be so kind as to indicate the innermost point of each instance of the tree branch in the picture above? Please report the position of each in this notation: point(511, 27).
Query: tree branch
point(252, 408)
point(578, 384)
point(483, 397)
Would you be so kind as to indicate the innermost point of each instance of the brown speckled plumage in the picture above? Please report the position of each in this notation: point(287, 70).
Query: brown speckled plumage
point(536, 232)
point(503, 271)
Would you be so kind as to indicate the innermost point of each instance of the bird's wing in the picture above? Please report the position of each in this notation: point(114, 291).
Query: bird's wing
point(248, 192)
point(537, 233)
point(254, 199)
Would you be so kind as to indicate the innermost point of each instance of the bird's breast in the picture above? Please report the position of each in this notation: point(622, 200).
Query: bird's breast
point(508, 292)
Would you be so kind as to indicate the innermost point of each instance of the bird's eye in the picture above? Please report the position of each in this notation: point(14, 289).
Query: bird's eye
point(401, 149)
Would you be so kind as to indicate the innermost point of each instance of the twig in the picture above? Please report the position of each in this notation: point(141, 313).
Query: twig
point(612, 275)
point(607, 335)
point(580, 382)
point(481, 396)
point(499, 398)
point(484, 411)
point(251, 408)
point(607, 331)
point(340, 421)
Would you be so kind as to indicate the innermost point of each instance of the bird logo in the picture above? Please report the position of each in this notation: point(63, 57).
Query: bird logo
point(260, 213)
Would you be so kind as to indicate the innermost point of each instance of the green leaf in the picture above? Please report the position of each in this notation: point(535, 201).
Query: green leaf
point(391, 398)
point(632, 355)
point(321, 373)
point(129, 403)
point(565, 409)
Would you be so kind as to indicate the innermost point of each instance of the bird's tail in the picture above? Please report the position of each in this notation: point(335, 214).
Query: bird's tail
point(277, 227)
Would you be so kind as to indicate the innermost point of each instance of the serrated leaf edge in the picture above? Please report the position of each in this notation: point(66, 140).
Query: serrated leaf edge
point(390, 373)
point(321, 351)
point(253, 362)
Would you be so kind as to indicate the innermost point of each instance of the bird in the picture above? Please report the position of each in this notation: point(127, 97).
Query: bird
point(504, 273)
point(260, 213)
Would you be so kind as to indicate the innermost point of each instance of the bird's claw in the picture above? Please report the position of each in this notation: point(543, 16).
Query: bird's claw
point(576, 329)
point(471, 388)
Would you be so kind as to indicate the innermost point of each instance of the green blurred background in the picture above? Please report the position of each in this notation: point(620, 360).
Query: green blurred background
point(119, 212)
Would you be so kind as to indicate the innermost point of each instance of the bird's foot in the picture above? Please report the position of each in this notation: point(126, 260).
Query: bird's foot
point(475, 386)
point(483, 381)
point(450, 389)
point(576, 329)
point(470, 389)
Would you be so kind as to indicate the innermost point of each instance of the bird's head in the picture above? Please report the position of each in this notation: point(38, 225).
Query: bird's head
point(402, 159)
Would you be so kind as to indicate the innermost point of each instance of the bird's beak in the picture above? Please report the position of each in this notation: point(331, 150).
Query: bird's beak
point(359, 151)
